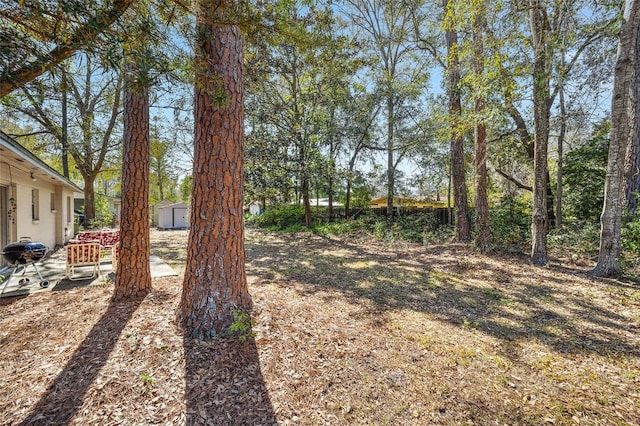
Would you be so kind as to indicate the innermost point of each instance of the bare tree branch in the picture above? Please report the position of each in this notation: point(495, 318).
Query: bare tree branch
point(514, 180)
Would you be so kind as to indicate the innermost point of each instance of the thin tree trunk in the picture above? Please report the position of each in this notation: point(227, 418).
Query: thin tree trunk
point(624, 122)
point(215, 284)
point(306, 202)
point(528, 143)
point(330, 195)
point(332, 163)
point(541, 94)
point(89, 200)
point(133, 276)
point(352, 165)
point(347, 200)
point(390, 163)
point(65, 125)
point(560, 175)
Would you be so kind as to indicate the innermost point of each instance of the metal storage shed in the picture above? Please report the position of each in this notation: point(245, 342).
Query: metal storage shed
point(173, 216)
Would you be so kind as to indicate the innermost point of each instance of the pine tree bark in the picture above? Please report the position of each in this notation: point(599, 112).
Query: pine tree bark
point(215, 282)
point(133, 276)
point(541, 96)
point(624, 123)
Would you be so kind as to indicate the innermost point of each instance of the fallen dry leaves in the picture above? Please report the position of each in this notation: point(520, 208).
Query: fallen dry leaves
point(348, 331)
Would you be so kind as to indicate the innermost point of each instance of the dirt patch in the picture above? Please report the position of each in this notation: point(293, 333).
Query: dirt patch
point(348, 331)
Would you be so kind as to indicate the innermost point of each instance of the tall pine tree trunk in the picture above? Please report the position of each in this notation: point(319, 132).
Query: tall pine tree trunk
point(215, 284)
point(541, 95)
point(483, 235)
point(133, 276)
point(624, 123)
point(458, 174)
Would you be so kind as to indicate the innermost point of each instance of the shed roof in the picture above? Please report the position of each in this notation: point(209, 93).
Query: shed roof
point(173, 206)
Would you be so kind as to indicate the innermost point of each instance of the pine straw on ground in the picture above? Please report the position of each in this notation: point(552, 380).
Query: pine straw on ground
point(348, 330)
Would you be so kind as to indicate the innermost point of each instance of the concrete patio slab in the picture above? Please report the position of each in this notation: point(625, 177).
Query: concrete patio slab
point(53, 269)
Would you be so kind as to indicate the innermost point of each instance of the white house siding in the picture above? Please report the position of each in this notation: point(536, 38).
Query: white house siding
point(52, 227)
point(20, 173)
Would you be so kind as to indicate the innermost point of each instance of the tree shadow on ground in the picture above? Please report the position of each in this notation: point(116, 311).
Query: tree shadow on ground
point(67, 284)
point(521, 302)
point(224, 384)
point(11, 298)
point(62, 400)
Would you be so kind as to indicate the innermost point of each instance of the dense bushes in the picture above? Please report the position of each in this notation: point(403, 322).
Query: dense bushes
point(579, 239)
point(584, 173)
point(510, 223)
point(421, 228)
point(288, 217)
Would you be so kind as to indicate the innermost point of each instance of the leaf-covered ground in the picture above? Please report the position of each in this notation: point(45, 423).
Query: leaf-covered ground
point(348, 330)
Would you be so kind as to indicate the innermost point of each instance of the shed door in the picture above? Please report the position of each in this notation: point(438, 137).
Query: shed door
point(179, 217)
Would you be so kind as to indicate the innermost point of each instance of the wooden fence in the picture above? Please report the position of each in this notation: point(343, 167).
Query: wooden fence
point(443, 214)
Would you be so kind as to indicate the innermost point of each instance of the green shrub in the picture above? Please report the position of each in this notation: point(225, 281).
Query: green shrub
point(418, 228)
point(289, 217)
point(510, 222)
point(631, 243)
point(339, 227)
point(584, 173)
point(580, 239)
point(242, 326)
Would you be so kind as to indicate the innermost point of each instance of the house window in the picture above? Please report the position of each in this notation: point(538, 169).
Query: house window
point(69, 212)
point(53, 202)
point(35, 204)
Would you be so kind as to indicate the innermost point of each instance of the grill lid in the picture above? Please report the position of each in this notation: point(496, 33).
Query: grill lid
point(24, 251)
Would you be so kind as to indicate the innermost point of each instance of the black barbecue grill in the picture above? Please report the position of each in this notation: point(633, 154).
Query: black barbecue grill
point(20, 255)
